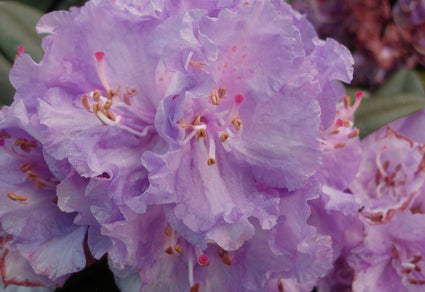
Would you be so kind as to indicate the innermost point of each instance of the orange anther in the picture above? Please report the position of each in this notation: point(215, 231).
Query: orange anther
point(16, 197)
point(224, 137)
point(85, 102)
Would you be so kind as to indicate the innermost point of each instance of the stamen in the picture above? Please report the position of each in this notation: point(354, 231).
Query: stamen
point(169, 251)
point(378, 162)
point(354, 133)
point(178, 248)
point(100, 70)
point(97, 110)
point(189, 137)
point(128, 94)
point(416, 282)
point(111, 93)
point(226, 146)
point(201, 143)
point(25, 145)
point(40, 183)
point(215, 98)
point(190, 271)
point(347, 101)
point(234, 112)
point(224, 256)
point(237, 123)
point(196, 120)
point(338, 123)
point(145, 115)
point(110, 115)
point(224, 137)
point(406, 271)
point(15, 197)
point(211, 152)
point(107, 104)
point(359, 96)
point(201, 133)
point(194, 288)
point(85, 102)
point(221, 92)
point(96, 95)
point(348, 113)
point(26, 166)
point(108, 118)
point(198, 65)
point(340, 145)
point(416, 259)
point(10, 152)
point(168, 230)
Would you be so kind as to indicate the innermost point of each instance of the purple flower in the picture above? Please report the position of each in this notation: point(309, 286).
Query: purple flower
point(391, 190)
point(214, 121)
point(390, 175)
point(40, 239)
point(391, 256)
point(243, 119)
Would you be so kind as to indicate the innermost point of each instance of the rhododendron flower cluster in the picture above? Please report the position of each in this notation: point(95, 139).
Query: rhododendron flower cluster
point(199, 146)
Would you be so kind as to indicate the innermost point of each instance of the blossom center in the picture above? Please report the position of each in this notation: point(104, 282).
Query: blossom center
point(216, 122)
point(115, 108)
point(28, 153)
point(410, 269)
point(342, 132)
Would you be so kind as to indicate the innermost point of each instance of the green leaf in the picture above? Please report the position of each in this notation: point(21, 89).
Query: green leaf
point(374, 113)
point(17, 27)
point(6, 89)
point(402, 95)
point(420, 72)
point(404, 81)
point(42, 5)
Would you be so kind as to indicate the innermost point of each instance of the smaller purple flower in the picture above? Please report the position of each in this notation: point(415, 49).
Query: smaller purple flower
point(390, 175)
point(39, 236)
point(390, 186)
point(391, 255)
